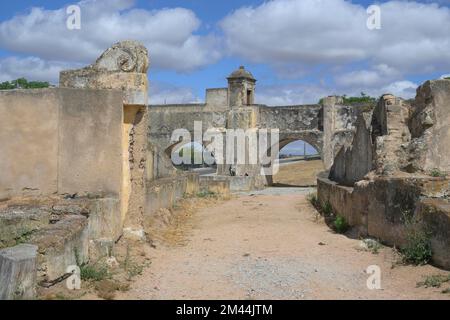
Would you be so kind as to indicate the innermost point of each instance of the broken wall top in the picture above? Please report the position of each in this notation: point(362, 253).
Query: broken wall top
point(430, 127)
point(123, 66)
point(405, 138)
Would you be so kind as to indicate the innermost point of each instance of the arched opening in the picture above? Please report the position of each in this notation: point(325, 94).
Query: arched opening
point(299, 163)
point(193, 156)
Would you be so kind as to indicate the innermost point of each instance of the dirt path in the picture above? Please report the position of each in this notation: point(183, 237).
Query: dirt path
point(268, 246)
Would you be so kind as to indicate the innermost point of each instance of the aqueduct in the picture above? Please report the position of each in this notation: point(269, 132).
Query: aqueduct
point(326, 127)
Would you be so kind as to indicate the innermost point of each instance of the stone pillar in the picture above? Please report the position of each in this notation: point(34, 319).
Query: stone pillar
point(18, 275)
point(124, 67)
point(329, 128)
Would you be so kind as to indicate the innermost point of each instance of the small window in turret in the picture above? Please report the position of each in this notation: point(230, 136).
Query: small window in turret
point(249, 97)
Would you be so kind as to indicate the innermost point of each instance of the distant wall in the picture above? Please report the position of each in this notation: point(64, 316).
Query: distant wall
point(60, 141)
point(217, 97)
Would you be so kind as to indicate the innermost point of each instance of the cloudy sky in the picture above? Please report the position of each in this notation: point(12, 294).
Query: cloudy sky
point(299, 50)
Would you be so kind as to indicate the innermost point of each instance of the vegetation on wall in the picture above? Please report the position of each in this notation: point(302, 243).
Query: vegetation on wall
point(363, 99)
point(23, 83)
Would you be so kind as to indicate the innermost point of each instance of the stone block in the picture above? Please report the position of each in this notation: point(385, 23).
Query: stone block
point(18, 272)
point(60, 246)
point(435, 216)
point(105, 219)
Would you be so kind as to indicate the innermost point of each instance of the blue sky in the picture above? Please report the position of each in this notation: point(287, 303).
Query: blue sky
point(299, 50)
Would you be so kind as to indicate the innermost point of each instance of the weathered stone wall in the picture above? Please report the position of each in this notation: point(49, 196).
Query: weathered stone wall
point(430, 127)
point(354, 161)
point(123, 67)
point(381, 208)
point(18, 273)
point(60, 141)
point(383, 179)
point(217, 98)
point(399, 137)
point(338, 127)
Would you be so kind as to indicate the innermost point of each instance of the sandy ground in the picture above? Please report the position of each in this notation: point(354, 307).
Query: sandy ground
point(300, 174)
point(270, 245)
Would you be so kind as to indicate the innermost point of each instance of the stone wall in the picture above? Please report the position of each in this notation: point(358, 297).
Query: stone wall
point(394, 171)
point(339, 122)
point(430, 127)
point(217, 98)
point(399, 137)
point(60, 141)
point(123, 67)
point(381, 208)
point(354, 161)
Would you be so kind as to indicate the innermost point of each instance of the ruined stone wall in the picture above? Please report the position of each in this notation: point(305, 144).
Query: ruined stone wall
point(394, 171)
point(124, 67)
point(354, 160)
point(430, 127)
point(381, 208)
point(338, 127)
point(60, 141)
point(399, 137)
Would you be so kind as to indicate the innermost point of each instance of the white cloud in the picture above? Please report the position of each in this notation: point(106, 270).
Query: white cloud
point(413, 36)
point(31, 68)
point(160, 93)
point(404, 89)
point(296, 94)
point(378, 76)
point(169, 34)
point(292, 94)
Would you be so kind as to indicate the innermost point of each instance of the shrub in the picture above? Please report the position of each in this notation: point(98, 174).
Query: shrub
point(312, 198)
point(437, 173)
point(206, 194)
point(417, 250)
point(372, 245)
point(93, 272)
point(327, 209)
point(23, 83)
point(434, 281)
point(132, 268)
point(340, 224)
point(90, 271)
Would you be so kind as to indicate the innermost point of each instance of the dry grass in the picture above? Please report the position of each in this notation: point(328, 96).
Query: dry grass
point(301, 174)
point(171, 227)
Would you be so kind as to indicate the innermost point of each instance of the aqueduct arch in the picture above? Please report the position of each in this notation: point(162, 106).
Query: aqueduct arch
point(325, 126)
